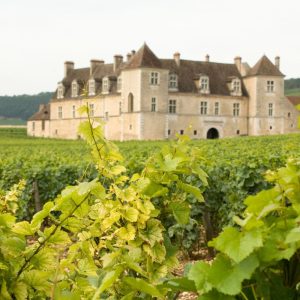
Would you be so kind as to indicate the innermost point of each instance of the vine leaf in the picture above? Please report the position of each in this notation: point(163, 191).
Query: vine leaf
point(181, 212)
point(237, 245)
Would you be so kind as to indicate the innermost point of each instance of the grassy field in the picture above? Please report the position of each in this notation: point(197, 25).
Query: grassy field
point(293, 92)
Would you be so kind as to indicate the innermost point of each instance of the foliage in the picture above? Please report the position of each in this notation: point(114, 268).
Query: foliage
point(291, 84)
point(101, 239)
point(258, 258)
point(22, 106)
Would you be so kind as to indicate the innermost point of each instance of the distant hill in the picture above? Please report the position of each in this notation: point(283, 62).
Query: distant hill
point(17, 109)
point(292, 87)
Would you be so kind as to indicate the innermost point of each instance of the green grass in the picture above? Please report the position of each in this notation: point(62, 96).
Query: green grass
point(293, 92)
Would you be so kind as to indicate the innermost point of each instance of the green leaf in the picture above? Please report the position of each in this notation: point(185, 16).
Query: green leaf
point(38, 218)
point(143, 286)
point(181, 212)
point(4, 292)
point(7, 220)
point(152, 233)
point(180, 285)
point(157, 252)
point(37, 279)
point(19, 290)
point(215, 295)
point(130, 214)
point(127, 233)
point(23, 228)
point(191, 190)
point(199, 274)
point(237, 245)
point(227, 278)
point(293, 236)
point(117, 170)
point(108, 280)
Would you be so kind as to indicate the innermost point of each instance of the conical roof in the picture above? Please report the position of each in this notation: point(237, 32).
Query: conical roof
point(265, 67)
point(144, 58)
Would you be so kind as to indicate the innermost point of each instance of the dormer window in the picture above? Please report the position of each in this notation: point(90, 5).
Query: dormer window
point(105, 85)
point(236, 89)
point(119, 84)
point(74, 89)
point(92, 87)
point(173, 82)
point(204, 84)
point(60, 91)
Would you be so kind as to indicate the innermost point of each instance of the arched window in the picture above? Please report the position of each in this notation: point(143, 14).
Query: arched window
point(130, 103)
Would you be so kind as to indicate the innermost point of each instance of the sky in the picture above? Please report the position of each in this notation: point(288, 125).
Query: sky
point(37, 36)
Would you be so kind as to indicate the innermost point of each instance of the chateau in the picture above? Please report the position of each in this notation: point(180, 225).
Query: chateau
point(147, 98)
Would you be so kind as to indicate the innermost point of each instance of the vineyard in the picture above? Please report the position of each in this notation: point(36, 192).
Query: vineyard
point(112, 224)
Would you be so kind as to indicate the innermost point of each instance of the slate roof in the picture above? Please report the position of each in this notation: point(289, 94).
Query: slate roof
point(42, 114)
point(295, 100)
point(144, 57)
point(264, 67)
point(220, 74)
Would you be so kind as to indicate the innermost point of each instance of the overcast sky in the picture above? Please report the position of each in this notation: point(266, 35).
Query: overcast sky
point(37, 36)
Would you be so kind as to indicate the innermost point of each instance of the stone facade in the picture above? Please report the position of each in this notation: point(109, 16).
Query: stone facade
point(146, 98)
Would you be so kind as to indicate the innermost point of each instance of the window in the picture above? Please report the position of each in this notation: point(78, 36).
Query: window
point(130, 103)
point(172, 106)
point(92, 87)
point(236, 109)
point(195, 132)
point(217, 108)
point(289, 114)
point(203, 108)
point(60, 112)
point(153, 104)
point(270, 109)
point(60, 91)
point(33, 126)
point(270, 86)
point(154, 78)
point(73, 111)
point(91, 110)
point(238, 132)
point(204, 84)
point(181, 131)
point(120, 108)
point(74, 89)
point(43, 124)
point(236, 87)
point(105, 85)
point(173, 83)
point(119, 84)
point(169, 131)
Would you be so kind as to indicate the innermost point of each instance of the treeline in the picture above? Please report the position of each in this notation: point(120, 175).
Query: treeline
point(293, 83)
point(22, 106)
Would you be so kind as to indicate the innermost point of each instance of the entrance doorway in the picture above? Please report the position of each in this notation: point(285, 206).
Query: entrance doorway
point(212, 133)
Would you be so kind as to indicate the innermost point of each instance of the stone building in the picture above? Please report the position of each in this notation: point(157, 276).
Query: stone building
point(147, 98)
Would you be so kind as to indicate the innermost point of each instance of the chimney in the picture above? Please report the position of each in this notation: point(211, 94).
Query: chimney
point(69, 65)
point(207, 58)
point(129, 55)
point(95, 63)
point(277, 62)
point(118, 59)
point(238, 63)
point(177, 58)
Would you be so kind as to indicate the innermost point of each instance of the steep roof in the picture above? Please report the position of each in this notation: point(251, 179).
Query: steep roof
point(264, 67)
point(295, 100)
point(144, 57)
point(219, 74)
point(42, 114)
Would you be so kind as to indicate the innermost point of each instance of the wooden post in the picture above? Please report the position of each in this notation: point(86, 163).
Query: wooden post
point(36, 196)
